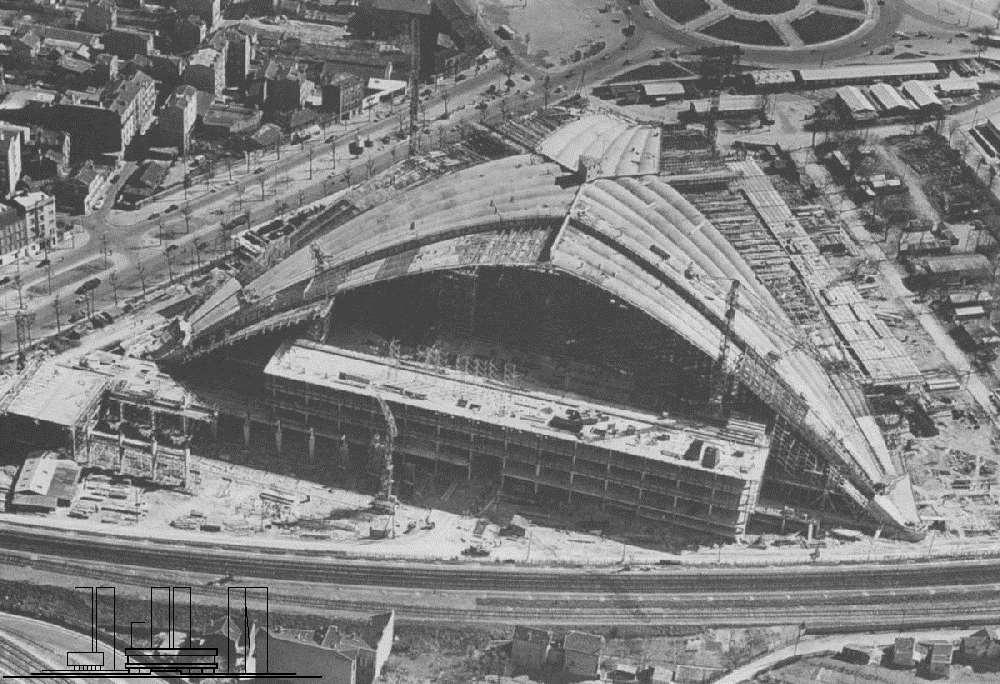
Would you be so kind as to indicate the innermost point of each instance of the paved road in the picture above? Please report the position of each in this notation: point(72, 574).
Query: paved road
point(809, 645)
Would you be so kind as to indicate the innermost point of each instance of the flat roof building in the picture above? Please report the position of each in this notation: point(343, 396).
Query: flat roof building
point(863, 74)
point(536, 439)
point(663, 91)
point(771, 79)
point(45, 482)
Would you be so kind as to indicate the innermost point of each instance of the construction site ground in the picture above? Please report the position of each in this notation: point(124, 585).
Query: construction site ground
point(579, 26)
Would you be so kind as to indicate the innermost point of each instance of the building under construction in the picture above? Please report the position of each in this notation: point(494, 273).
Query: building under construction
point(572, 325)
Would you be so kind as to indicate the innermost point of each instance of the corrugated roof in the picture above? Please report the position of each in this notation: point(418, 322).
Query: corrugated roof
point(888, 97)
point(854, 99)
point(921, 93)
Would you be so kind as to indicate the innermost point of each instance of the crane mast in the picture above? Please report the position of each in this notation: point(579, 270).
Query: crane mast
point(722, 380)
point(385, 501)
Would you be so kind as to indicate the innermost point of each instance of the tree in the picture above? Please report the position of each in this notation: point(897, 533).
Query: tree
point(507, 66)
point(370, 166)
point(347, 177)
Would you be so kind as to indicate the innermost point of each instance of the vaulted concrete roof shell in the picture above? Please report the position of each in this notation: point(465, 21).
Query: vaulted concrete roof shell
point(636, 238)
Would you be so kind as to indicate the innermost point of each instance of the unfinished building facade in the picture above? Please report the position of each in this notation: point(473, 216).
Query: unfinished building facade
point(606, 289)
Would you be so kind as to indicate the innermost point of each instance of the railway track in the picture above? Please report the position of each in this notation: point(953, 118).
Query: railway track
point(17, 661)
point(443, 576)
point(822, 609)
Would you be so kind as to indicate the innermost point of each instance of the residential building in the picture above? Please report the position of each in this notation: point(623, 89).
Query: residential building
point(342, 92)
point(206, 70)
point(45, 153)
point(84, 191)
point(105, 68)
point(582, 654)
point(143, 184)
point(292, 651)
point(938, 660)
point(13, 238)
point(24, 49)
point(190, 32)
point(286, 85)
point(981, 650)
point(133, 100)
point(239, 54)
point(225, 120)
point(177, 117)
point(529, 649)
point(10, 160)
point(99, 16)
point(38, 212)
point(164, 68)
point(380, 633)
point(209, 11)
point(127, 43)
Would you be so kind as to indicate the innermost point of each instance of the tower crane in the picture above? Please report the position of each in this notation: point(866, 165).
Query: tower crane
point(722, 380)
point(384, 501)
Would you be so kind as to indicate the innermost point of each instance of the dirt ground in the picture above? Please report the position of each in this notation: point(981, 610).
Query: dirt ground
point(696, 656)
point(551, 42)
point(228, 508)
point(834, 671)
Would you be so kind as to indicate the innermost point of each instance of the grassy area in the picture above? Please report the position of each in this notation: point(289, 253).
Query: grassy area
point(855, 5)
point(763, 6)
point(682, 11)
point(819, 27)
point(744, 31)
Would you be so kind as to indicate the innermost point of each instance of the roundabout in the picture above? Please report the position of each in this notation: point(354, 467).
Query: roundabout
point(778, 24)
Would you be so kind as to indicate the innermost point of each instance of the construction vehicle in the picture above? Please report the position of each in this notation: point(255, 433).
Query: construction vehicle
point(384, 528)
point(385, 502)
point(428, 524)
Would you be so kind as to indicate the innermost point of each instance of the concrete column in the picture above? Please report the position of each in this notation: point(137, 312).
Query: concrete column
point(215, 424)
point(538, 474)
point(184, 424)
point(345, 451)
point(277, 435)
point(246, 430)
point(312, 443)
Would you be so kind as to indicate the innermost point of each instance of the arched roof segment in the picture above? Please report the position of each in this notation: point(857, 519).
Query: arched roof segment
point(636, 238)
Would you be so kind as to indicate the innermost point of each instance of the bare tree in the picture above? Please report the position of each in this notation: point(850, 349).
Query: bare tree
point(507, 66)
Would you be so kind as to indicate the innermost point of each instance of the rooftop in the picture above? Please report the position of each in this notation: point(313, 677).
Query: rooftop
point(854, 99)
point(449, 391)
point(204, 57)
point(57, 394)
point(867, 71)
